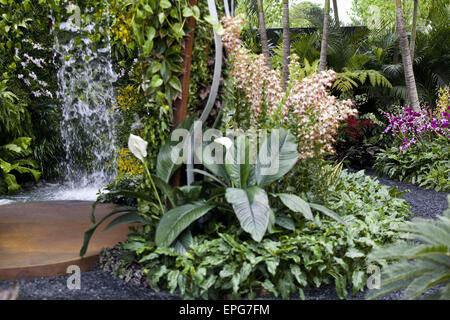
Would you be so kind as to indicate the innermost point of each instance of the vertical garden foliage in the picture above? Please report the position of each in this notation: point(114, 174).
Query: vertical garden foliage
point(147, 39)
point(27, 76)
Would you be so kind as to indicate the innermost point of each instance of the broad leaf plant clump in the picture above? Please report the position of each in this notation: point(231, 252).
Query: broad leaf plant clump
point(230, 235)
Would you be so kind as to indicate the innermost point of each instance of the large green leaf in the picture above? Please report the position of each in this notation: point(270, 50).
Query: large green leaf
point(11, 182)
point(165, 188)
point(208, 175)
point(18, 145)
point(327, 212)
point(184, 242)
point(175, 221)
point(296, 204)
point(35, 173)
point(6, 166)
point(190, 193)
point(165, 167)
point(285, 222)
point(12, 147)
point(274, 161)
point(237, 162)
point(127, 218)
point(88, 234)
point(252, 209)
point(215, 165)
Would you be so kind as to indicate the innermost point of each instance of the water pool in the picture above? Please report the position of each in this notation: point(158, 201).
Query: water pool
point(52, 192)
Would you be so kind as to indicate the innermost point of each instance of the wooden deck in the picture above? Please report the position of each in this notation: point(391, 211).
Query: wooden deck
point(41, 239)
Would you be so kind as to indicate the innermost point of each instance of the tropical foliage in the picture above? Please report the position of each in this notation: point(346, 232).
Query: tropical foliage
point(420, 148)
point(14, 159)
point(427, 164)
point(295, 254)
point(240, 185)
point(27, 89)
point(262, 217)
point(420, 265)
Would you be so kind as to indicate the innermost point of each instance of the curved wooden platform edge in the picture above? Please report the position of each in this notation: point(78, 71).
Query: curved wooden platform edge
point(42, 239)
point(47, 270)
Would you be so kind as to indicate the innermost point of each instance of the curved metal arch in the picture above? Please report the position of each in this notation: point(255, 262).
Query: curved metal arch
point(215, 83)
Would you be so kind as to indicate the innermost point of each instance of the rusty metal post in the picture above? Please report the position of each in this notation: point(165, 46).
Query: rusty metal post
point(181, 104)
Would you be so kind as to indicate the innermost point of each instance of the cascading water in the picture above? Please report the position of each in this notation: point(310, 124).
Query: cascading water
point(86, 93)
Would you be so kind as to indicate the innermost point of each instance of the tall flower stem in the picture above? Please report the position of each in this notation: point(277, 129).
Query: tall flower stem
point(153, 186)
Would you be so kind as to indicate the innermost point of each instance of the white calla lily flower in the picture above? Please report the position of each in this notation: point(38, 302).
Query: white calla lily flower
point(137, 146)
point(225, 141)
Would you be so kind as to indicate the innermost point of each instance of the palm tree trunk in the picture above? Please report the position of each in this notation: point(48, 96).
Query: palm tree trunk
point(263, 32)
point(286, 43)
point(414, 29)
point(395, 58)
point(410, 81)
point(336, 12)
point(324, 47)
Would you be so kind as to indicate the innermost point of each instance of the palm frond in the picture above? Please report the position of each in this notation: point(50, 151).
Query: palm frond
point(420, 264)
point(349, 80)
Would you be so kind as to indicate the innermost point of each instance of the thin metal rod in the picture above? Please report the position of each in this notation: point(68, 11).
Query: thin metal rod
point(214, 87)
point(227, 8)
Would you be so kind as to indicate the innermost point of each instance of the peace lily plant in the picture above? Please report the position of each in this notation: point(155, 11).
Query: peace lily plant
point(235, 184)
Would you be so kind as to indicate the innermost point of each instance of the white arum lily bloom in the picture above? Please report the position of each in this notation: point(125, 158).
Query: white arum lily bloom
point(225, 141)
point(137, 146)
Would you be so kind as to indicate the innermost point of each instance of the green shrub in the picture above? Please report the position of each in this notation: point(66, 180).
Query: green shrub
point(427, 164)
point(124, 182)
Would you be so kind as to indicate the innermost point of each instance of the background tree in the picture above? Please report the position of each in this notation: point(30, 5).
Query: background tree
point(323, 50)
point(305, 14)
point(263, 32)
point(361, 13)
point(336, 12)
point(286, 43)
point(410, 81)
point(414, 28)
point(272, 12)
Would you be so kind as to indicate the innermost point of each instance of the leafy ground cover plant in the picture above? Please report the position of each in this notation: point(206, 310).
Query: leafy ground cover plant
point(419, 263)
point(215, 258)
point(224, 263)
point(427, 165)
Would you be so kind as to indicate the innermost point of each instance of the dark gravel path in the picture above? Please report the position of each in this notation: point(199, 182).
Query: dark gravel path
point(99, 285)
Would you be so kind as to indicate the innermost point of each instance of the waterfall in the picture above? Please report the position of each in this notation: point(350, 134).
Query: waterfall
point(86, 94)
